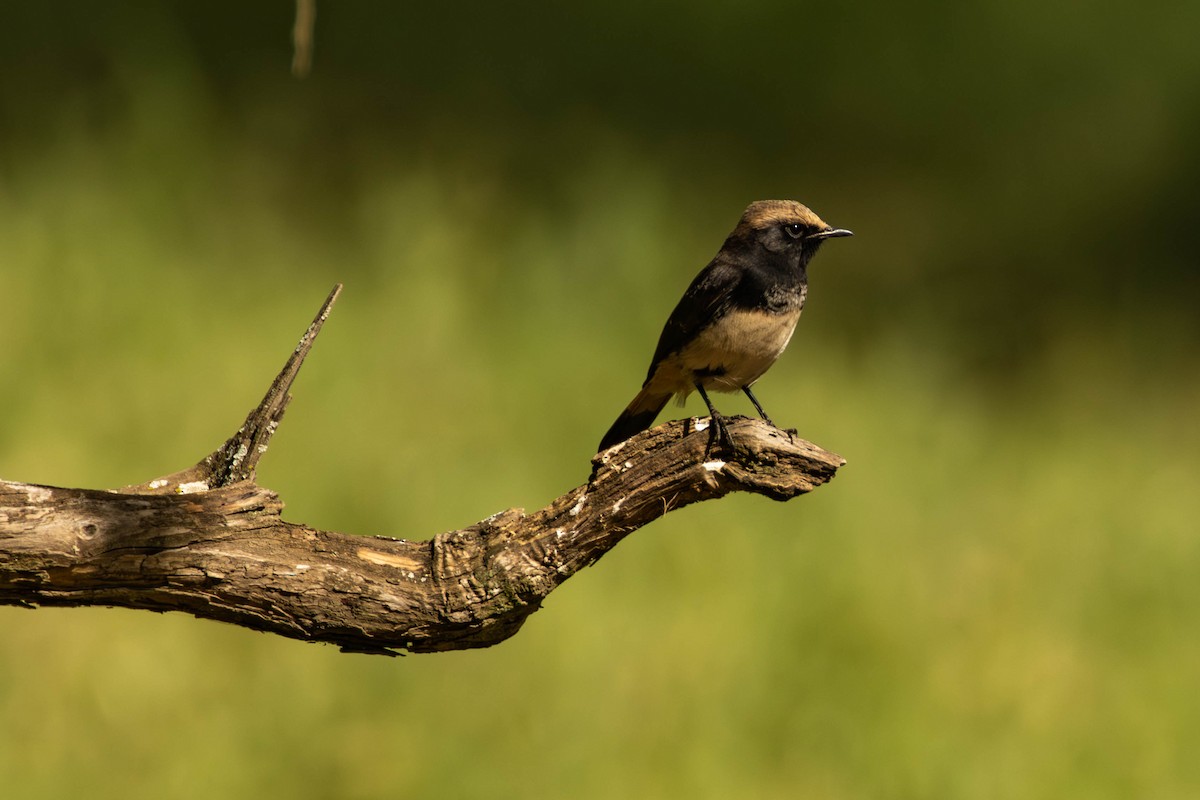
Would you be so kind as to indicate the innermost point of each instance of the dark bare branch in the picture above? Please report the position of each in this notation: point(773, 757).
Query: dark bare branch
point(210, 542)
point(302, 37)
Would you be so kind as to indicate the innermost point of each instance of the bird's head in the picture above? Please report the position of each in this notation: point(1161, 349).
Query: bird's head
point(785, 228)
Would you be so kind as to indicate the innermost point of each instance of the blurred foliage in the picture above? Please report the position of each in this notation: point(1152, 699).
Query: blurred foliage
point(997, 596)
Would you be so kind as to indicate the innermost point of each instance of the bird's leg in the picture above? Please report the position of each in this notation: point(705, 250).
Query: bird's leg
point(758, 405)
point(719, 434)
point(791, 432)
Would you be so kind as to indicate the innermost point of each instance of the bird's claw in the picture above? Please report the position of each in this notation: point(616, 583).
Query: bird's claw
point(718, 435)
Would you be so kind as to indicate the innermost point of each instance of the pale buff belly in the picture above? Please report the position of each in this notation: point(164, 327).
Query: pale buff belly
point(730, 354)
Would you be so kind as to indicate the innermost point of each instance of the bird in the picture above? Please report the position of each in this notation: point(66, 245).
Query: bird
point(735, 319)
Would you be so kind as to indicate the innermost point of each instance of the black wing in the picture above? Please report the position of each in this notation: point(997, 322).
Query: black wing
point(708, 297)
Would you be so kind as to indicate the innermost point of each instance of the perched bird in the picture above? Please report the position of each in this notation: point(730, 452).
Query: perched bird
point(736, 317)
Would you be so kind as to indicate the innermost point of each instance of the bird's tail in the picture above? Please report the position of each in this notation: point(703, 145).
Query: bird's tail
point(637, 416)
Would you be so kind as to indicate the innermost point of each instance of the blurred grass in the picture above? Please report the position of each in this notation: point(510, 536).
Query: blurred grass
point(995, 598)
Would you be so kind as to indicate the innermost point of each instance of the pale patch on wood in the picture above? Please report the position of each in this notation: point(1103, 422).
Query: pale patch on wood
point(402, 563)
point(35, 494)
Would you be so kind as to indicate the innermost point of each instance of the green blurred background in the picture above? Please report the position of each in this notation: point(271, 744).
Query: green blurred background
point(996, 598)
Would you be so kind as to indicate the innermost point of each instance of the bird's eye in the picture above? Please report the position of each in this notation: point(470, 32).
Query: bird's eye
point(794, 230)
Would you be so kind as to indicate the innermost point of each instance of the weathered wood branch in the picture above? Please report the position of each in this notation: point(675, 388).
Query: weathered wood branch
point(209, 541)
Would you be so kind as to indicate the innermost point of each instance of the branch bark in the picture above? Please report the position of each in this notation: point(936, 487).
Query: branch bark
point(211, 542)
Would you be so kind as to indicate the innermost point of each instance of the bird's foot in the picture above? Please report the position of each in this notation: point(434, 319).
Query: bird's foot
point(718, 435)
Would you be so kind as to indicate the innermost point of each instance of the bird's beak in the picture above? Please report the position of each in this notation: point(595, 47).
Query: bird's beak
point(831, 233)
